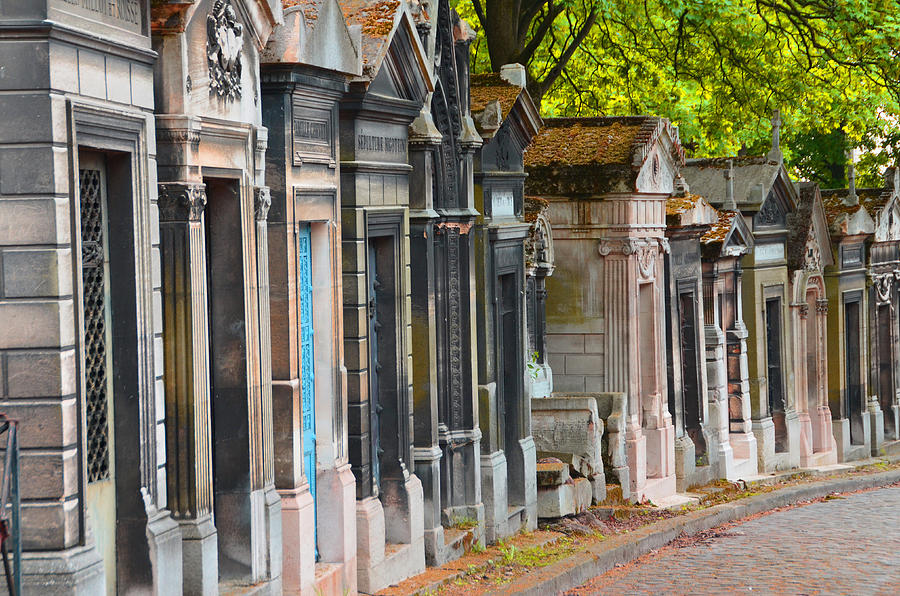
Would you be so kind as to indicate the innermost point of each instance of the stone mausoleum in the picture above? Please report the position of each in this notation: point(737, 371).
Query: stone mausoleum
point(606, 181)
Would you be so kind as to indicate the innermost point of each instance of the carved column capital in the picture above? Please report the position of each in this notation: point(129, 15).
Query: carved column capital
point(804, 311)
point(262, 200)
point(822, 307)
point(181, 201)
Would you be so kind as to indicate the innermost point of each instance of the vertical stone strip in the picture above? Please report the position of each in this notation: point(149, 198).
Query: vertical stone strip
point(186, 350)
point(187, 392)
point(261, 203)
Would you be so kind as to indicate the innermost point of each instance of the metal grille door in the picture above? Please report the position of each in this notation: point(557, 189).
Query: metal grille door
point(95, 348)
point(307, 359)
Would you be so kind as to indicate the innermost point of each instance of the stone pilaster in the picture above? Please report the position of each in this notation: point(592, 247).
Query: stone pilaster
point(186, 339)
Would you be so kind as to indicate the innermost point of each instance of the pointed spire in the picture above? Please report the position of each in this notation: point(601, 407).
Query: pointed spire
point(775, 156)
point(730, 204)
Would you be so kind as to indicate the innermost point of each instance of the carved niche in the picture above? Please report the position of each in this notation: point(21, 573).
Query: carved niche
point(224, 45)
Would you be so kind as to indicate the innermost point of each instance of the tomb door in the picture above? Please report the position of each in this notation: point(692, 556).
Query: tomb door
point(375, 332)
point(511, 378)
point(885, 367)
point(307, 361)
point(853, 401)
point(690, 373)
point(389, 430)
point(774, 372)
point(98, 356)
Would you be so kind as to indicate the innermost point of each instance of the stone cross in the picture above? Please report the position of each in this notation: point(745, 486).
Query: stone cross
point(730, 203)
point(775, 155)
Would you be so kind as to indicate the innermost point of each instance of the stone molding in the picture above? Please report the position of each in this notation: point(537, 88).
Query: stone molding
point(180, 201)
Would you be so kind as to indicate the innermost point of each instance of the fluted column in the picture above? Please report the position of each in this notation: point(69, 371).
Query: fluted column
point(186, 349)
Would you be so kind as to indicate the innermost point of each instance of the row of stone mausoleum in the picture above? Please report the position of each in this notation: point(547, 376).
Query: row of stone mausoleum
point(262, 293)
point(748, 320)
point(292, 303)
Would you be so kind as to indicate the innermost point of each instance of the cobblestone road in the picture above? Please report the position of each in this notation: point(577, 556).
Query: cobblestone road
point(848, 545)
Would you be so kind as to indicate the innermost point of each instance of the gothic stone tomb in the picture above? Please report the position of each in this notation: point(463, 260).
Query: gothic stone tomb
point(507, 120)
point(374, 118)
point(306, 68)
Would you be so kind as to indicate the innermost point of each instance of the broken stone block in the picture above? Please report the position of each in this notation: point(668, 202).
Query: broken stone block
point(556, 501)
point(583, 494)
point(552, 473)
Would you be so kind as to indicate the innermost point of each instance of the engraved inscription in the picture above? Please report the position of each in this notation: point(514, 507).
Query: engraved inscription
point(366, 142)
point(312, 138)
point(128, 11)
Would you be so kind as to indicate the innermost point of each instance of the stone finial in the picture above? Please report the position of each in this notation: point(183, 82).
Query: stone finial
point(730, 203)
point(514, 74)
point(775, 155)
point(851, 198)
point(681, 186)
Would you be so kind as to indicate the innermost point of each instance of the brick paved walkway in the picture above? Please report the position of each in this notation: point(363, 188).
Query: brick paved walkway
point(849, 545)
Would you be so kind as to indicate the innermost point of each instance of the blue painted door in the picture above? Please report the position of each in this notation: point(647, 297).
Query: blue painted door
point(307, 361)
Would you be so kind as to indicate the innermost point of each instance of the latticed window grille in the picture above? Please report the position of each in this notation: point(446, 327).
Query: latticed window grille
point(92, 275)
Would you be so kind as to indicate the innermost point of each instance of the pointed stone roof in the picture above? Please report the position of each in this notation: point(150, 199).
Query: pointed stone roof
point(809, 243)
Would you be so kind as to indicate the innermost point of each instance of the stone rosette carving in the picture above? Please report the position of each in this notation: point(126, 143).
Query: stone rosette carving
point(181, 201)
point(262, 200)
point(224, 45)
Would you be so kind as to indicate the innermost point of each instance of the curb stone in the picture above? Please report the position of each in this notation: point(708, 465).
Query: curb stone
point(624, 548)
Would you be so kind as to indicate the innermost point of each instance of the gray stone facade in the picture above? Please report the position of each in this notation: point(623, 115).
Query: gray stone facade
point(81, 340)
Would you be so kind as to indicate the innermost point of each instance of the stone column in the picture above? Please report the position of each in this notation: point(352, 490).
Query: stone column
point(743, 441)
point(186, 349)
point(717, 377)
point(264, 449)
point(424, 143)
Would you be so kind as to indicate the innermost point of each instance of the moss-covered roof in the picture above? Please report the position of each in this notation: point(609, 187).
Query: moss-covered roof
point(873, 199)
point(719, 230)
point(376, 18)
point(575, 142)
point(676, 205)
point(488, 87)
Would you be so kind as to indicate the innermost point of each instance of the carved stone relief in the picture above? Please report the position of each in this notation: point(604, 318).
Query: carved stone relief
point(224, 44)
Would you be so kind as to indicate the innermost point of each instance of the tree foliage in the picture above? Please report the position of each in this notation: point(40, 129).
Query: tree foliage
point(717, 68)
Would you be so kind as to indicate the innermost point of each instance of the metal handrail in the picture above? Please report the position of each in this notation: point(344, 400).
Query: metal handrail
point(10, 530)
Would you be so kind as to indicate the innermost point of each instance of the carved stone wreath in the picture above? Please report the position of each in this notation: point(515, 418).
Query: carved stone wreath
point(224, 44)
point(883, 284)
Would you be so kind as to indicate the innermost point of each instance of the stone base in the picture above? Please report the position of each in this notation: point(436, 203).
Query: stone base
point(892, 423)
point(564, 499)
point(379, 563)
point(744, 461)
point(200, 554)
point(299, 557)
point(660, 469)
point(846, 451)
point(336, 522)
point(685, 463)
point(71, 572)
point(494, 495)
point(165, 545)
point(876, 426)
point(770, 460)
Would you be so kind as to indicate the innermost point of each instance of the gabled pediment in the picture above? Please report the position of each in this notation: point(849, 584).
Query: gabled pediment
point(315, 34)
point(394, 61)
point(887, 221)
point(658, 160)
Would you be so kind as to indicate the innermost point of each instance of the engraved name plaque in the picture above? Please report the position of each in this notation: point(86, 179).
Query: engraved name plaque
point(125, 14)
point(312, 137)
